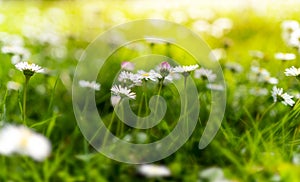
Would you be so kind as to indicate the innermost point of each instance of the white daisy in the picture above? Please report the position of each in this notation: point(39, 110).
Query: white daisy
point(118, 90)
point(234, 67)
point(130, 79)
point(185, 70)
point(216, 87)
point(278, 95)
point(292, 71)
point(217, 54)
point(258, 91)
point(205, 74)
point(152, 170)
point(151, 75)
point(13, 85)
point(285, 56)
point(257, 54)
point(29, 69)
point(22, 140)
point(126, 65)
point(86, 84)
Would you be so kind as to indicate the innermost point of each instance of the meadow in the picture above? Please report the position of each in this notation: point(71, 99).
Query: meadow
point(256, 45)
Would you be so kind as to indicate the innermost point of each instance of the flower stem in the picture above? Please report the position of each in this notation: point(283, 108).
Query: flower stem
point(24, 98)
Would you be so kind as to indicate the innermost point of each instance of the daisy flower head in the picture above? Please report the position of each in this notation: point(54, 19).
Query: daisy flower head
point(29, 69)
point(22, 140)
point(278, 95)
point(185, 70)
point(205, 74)
point(152, 170)
point(292, 71)
point(129, 79)
point(123, 92)
point(87, 84)
point(126, 65)
point(151, 75)
point(285, 56)
point(234, 67)
point(165, 68)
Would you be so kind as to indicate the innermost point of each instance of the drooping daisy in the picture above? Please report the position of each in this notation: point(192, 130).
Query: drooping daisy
point(151, 75)
point(129, 79)
point(22, 140)
point(205, 74)
point(118, 90)
point(165, 69)
point(29, 69)
point(278, 95)
point(126, 65)
point(285, 56)
point(292, 71)
point(87, 84)
point(152, 170)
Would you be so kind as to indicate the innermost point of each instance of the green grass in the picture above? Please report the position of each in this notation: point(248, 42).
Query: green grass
point(257, 139)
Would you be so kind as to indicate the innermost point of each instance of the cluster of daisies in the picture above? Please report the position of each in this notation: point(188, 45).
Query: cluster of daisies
point(164, 74)
point(21, 139)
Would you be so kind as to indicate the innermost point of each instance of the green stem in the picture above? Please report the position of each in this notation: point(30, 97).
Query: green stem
point(24, 98)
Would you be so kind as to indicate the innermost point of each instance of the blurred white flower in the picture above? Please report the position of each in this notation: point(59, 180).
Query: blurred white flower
point(205, 74)
point(292, 71)
point(258, 91)
point(213, 174)
point(151, 75)
point(257, 54)
point(217, 54)
point(216, 87)
point(126, 65)
point(87, 84)
point(262, 75)
point(115, 99)
point(118, 90)
point(18, 53)
point(22, 140)
point(234, 67)
point(29, 68)
point(278, 95)
point(285, 56)
point(152, 170)
point(13, 85)
point(221, 26)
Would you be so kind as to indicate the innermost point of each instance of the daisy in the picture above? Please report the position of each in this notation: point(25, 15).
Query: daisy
point(152, 170)
point(86, 84)
point(185, 70)
point(292, 71)
point(22, 140)
point(257, 54)
point(258, 91)
point(118, 90)
point(234, 67)
point(217, 54)
point(205, 74)
point(130, 79)
point(216, 87)
point(165, 69)
point(29, 69)
point(126, 65)
point(285, 56)
point(151, 75)
point(13, 85)
point(278, 95)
